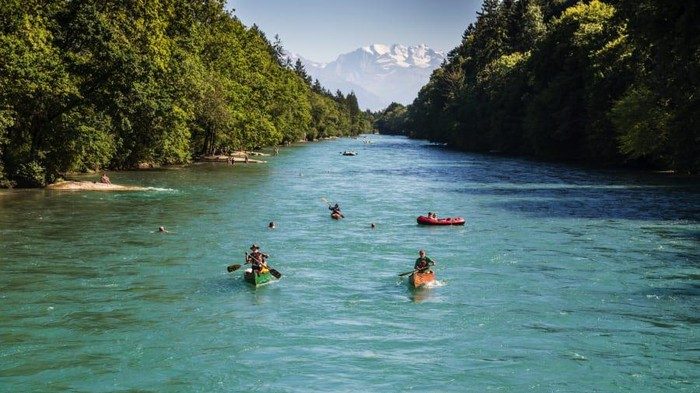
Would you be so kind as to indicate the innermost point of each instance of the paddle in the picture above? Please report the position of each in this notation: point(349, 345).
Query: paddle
point(329, 205)
point(237, 266)
point(275, 273)
point(416, 270)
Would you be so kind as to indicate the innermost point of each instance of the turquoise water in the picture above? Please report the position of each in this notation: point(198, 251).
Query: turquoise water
point(562, 280)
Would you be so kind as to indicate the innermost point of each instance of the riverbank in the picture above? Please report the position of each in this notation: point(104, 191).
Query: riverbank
point(231, 159)
point(91, 186)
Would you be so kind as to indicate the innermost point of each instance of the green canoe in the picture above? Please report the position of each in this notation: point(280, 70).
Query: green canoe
point(257, 279)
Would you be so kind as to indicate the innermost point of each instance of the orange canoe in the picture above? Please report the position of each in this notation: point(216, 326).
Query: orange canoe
point(419, 279)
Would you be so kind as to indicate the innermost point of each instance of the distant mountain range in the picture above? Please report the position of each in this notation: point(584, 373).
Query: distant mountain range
point(378, 74)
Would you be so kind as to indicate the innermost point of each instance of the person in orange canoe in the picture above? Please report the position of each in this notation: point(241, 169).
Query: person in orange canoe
point(423, 262)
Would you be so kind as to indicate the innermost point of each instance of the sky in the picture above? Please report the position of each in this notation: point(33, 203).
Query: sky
point(320, 30)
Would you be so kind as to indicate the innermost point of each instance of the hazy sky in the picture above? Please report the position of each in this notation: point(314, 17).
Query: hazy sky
point(322, 29)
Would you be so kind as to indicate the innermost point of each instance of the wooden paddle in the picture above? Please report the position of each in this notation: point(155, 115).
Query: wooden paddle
point(329, 205)
point(237, 266)
point(416, 270)
point(275, 273)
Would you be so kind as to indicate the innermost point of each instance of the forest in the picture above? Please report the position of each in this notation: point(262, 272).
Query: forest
point(90, 85)
point(609, 83)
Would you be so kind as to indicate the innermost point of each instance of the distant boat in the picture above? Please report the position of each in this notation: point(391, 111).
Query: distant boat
point(424, 220)
point(349, 153)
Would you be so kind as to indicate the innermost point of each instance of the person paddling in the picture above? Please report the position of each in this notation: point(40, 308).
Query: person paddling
point(335, 210)
point(257, 260)
point(423, 262)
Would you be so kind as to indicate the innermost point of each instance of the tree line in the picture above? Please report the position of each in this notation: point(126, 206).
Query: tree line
point(610, 82)
point(94, 84)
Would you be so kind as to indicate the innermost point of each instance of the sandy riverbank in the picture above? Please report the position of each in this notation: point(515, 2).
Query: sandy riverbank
point(235, 158)
point(91, 186)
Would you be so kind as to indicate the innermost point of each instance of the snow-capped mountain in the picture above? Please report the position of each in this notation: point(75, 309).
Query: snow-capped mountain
point(378, 74)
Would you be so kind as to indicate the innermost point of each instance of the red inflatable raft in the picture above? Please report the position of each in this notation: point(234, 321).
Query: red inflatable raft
point(425, 220)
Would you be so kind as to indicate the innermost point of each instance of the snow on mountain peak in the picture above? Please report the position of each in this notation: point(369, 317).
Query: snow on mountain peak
point(380, 49)
point(378, 73)
point(397, 55)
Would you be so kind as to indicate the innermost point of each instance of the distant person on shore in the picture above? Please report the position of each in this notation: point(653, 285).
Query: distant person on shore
point(423, 262)
point(105, 179)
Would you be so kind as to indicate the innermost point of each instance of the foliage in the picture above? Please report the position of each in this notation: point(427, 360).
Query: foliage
point(602, 82)
point(391, 120)
point(95, 84)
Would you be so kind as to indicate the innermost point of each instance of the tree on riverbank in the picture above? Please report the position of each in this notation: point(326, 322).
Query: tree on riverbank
point(109, 84)
point(607, 82)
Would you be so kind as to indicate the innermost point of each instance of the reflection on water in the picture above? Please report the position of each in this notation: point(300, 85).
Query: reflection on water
point(418, 295)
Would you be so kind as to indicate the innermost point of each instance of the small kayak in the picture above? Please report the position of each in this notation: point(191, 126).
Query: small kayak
point(349, 153)
point(417, 280)
point(336, 216)
point(255, 278)
point(425, 220)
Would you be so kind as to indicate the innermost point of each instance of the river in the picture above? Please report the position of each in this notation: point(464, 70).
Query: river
point(563, 279)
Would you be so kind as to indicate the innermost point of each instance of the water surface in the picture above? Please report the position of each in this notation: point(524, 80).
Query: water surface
point(563, 280)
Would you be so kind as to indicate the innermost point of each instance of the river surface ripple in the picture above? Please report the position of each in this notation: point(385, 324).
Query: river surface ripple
point(563, 279)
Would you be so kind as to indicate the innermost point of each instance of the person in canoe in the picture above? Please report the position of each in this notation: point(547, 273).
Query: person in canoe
point(335, 210)
point(257, 259)
point(423, 262)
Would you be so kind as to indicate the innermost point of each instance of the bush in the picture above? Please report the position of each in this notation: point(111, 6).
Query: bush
point(30, 175)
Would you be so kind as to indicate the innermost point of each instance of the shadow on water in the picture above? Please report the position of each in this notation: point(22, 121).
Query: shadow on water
point(633, 203)
point(544, 189)
point(232, 284)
